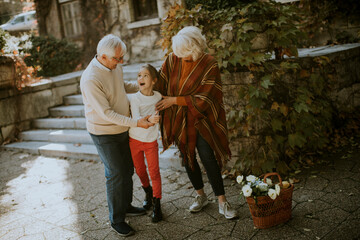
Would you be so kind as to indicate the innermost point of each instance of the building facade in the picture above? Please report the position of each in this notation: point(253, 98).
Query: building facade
point(136, 22)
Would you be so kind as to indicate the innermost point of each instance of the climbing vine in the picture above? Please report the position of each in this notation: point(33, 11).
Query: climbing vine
point(285, 105)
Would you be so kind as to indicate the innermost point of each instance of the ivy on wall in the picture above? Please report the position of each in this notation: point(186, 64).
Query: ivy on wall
point(286, 105)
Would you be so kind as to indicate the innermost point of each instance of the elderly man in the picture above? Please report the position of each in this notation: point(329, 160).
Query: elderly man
point(108, 120)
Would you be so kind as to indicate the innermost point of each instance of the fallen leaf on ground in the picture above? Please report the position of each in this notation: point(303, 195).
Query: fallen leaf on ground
point(293, 180)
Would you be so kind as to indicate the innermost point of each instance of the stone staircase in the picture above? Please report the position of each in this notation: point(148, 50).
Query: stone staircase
point(63, 133)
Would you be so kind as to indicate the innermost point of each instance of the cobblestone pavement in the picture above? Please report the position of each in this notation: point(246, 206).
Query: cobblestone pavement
point(55, 198)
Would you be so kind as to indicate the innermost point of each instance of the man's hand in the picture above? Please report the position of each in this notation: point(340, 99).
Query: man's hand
point(144, 123)
point(165, 103)
point(155, 118)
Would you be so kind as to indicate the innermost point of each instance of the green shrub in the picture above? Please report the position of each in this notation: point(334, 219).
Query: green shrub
point(52, 56)
point(2, 40)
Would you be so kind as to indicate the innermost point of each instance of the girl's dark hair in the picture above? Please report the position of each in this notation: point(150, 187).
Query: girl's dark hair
point(152, 70)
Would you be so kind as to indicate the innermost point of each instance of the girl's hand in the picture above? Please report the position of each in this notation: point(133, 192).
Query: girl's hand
point(165, 103)
point(155, 118)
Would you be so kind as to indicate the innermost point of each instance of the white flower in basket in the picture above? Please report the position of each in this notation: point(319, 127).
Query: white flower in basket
point(263, 187)
point(269, 181)
point(272, 194)
point(247, 191)
point(254, 187)
point(251, 178)
point(239, 179)
point(277, 189)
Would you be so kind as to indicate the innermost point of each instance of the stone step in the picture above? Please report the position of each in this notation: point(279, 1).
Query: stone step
point(57, 136)
point(67, 111)
point(73, 100)
point(169, 159)
point(62, 135)
point(59, 123)
point(69, 150)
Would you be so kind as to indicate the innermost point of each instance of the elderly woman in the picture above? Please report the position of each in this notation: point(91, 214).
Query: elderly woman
point(193, 114)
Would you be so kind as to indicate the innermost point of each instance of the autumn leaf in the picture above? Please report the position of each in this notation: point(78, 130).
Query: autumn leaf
point(275, 106)
point(282, 167)
point(268, 140)
point(284, 109)
point(304, 73)
point(296, 139)
point(276, 124)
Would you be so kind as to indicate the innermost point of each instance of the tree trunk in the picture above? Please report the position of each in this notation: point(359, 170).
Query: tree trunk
point(42, 11)
point(94, 25)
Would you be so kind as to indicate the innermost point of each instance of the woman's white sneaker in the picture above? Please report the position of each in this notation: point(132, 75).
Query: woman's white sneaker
point(226, 210)
point(200, 202)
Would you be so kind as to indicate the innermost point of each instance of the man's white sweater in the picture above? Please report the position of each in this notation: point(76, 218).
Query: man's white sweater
point(106, 104)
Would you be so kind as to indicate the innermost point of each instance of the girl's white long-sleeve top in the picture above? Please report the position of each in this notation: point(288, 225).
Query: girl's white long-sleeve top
point(142, 106)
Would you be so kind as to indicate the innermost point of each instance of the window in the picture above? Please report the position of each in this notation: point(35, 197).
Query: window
point(71, 18)
point(145, 9)
point(30, 17)
point(18, 20)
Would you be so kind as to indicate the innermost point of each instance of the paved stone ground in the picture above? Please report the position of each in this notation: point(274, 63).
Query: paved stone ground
point(54, 198)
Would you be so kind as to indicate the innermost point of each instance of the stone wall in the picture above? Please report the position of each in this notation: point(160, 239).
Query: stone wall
point(19, 108)
point(345, 94)
point(140, 37)
point(342, 27)
point(7, 72)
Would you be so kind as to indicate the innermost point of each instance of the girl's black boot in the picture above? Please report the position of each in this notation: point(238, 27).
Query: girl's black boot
point(156, 215)
point(148, 197)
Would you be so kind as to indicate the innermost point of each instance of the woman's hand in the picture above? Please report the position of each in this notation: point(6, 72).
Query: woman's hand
point(165, 103)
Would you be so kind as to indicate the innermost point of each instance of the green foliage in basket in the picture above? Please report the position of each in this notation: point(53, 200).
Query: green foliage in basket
point(2, 40)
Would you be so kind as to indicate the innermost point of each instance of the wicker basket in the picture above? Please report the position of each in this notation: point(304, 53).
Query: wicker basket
point(267, 212)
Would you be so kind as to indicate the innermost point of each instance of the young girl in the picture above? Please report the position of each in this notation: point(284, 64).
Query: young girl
point(144, 141)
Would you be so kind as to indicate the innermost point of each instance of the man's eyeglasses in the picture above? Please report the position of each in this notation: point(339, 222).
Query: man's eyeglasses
point(118, 59)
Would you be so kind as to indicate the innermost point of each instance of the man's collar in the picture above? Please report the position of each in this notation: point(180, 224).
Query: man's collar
point(99, 64)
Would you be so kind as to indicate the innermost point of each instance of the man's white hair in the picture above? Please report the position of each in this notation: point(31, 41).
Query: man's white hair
point(189, 42)
point(108, 44)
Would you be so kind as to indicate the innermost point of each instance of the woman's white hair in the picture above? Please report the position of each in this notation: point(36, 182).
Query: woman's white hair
point(108, 44)
point(189, 42)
